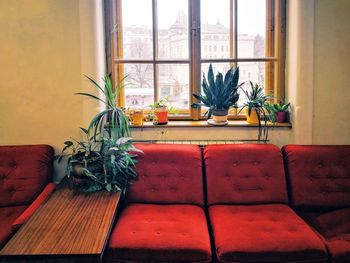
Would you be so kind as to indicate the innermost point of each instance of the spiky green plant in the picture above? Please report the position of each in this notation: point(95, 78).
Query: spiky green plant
point(280, 107)
point(257, 101)
point(107, 157)
point(112, 119)
point(273, 108)
point(220, 93)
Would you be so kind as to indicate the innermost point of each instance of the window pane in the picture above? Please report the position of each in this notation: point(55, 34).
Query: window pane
point(250, 71)
point(139, 90)
point(215, 29)
point(251, 28)
point(137, 29)
point(217, 67)
point(172, 29)
point(173, 82)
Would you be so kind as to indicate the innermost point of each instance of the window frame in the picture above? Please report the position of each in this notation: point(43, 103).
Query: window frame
point(274, 51)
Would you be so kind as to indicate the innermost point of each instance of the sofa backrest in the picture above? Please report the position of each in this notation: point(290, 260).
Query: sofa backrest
point(319, 176)
point(168, 174)
point(244, 174)
point(24, 172)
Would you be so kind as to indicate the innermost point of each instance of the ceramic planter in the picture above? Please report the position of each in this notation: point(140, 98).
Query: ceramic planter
point(253, 117)
point(281, 116)
point(137, 117)
point(220, 116)
point(162, 115)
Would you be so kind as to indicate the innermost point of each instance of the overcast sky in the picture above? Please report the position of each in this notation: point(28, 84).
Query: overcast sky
point(251, 13)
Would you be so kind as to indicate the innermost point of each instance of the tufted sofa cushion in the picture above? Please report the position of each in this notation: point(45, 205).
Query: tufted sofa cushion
point(244, 174)
point(263, 233)
point(24, 172)
point(168, 174)
point(160, 233)
point(319, 176)
point(334, 226)
point(7, 216)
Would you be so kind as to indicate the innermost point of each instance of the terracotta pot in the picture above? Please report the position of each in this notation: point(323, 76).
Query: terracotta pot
point(220, 115)
point(162, 115)
point(281, 116)
point(253, 118)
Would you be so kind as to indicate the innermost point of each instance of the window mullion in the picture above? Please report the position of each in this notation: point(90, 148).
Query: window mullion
point(155, 48)
point(233, 31)
point(195, 65)
point(119, 50)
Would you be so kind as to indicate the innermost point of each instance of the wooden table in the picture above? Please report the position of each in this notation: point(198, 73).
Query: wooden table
point(67, 228)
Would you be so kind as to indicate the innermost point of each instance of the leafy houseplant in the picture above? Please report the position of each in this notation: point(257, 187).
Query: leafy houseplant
point(279, 111)
point(220, 93)
point(256, 109)
point(160, 111)
point(112, 119)
point(106, 159)
point(81, 156)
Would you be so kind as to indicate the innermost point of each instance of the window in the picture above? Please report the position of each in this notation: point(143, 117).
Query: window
point(164, 46)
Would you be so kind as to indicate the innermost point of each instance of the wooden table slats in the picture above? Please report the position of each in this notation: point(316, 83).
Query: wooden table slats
point(67, 224)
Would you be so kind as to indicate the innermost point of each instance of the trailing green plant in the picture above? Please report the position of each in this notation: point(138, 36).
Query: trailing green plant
point(220, 93)
point(118, 161)
point(80, 151)
point(112, 119)
point(105, 159)
point(257, 101)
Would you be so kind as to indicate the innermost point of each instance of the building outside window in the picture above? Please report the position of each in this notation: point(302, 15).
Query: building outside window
point(166, 46)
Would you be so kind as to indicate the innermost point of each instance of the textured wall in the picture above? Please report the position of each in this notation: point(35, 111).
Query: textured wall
point(40, 71)
point(331, 112)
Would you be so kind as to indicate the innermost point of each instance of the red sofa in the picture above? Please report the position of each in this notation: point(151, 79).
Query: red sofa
point(235, 199)
point(164, 219)
point(248, 208)
point(319, 179)
point(25, 182)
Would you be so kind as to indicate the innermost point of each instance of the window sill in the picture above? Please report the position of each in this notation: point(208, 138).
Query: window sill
point(201, 124)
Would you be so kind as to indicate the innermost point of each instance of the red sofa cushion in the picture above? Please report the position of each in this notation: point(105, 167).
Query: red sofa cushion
point(334, 227)
point(319, 176)
point(7, 216)
point(168, 174)
point(263, 233)
point(339, 249)
point(244, 174)
point(155, 233)
point(24, 172)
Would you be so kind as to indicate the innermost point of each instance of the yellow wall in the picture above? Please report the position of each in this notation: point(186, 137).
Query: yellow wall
point(40, 70)
point(331, 112)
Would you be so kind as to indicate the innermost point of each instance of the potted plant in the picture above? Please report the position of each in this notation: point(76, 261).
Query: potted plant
point(280, 111)
point(220, 94)
point(81, 156)
point(112, 119)
point(136, 117)
point(256, 109)
point(106, 160)
point(160, 111)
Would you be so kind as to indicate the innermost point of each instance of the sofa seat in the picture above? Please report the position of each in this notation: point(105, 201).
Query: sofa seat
point(7, 216)
point(160, 233)
point(334, 227)
point(263, 233)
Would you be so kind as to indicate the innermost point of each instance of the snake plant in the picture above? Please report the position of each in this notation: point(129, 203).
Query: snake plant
point(220, 93)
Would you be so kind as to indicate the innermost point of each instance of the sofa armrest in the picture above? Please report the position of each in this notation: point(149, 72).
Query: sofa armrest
point(49, 188)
